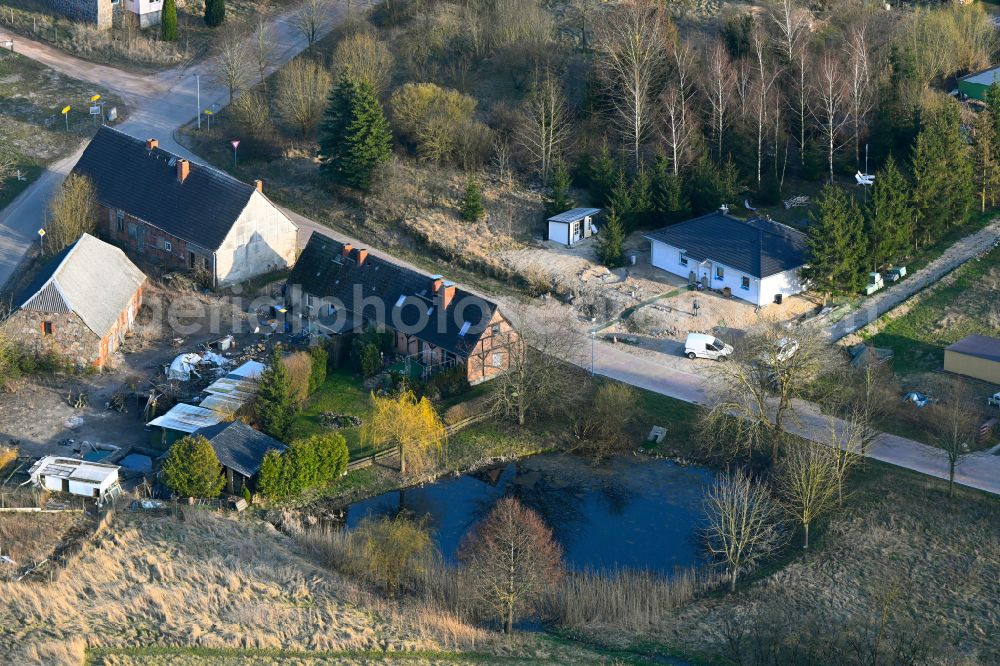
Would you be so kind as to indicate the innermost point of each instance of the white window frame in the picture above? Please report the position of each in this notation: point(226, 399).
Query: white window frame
point(168, 246)
point(497, 360)
point(745, 283)
point(720, 272)
point(682, 260)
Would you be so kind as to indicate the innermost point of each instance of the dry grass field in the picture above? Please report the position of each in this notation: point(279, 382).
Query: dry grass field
point(208, 588)
point(31, 537)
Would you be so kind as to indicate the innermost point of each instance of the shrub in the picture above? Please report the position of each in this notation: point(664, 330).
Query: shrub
point(472, 202)
point(299, 367)
point(430, 118)
point(192, 469)
point(451, 382)
point(312, 462)
point(365, 58)
point(320, 359)
point(392, 548)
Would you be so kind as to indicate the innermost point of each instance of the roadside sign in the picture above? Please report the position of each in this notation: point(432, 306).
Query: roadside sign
point(95, 98)
point(41, 240)
point(41, 232)
point(95, 110)
point(236, 144)
point(113, 114)
point(66, 110)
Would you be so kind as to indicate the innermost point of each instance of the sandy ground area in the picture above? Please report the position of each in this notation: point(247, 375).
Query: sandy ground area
point(639, 303)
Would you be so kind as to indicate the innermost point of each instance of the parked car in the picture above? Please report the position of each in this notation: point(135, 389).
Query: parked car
point(994, 399)
point(700, 345)
point(785, 348)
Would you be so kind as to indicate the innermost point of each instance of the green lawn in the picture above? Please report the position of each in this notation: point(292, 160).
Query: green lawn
point(967, 304)
point(342, 393)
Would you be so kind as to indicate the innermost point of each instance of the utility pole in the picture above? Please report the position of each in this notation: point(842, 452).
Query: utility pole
point(593, 342)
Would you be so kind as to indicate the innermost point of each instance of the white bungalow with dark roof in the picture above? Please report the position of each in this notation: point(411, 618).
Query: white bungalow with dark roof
point(184, 214)
point(757, 260)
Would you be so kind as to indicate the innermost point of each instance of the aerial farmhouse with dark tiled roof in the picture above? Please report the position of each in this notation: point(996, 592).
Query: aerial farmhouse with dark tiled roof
point(183, 214)
point(336, 288)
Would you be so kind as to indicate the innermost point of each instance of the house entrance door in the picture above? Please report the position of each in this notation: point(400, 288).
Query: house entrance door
point(574, 232)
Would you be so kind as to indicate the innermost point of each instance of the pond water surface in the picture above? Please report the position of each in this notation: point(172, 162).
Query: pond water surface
point(630, 511)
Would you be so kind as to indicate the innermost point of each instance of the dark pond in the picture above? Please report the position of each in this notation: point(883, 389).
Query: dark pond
point(629, 512)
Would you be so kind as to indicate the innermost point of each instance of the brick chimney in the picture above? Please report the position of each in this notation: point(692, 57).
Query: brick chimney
point(345, 252)
point(152, 143)
point(436, 282)
point(259, 184)
point(361, 256)
point(183, 170)
point(447, 294)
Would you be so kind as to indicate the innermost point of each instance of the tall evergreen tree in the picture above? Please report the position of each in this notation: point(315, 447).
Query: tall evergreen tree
point(621, 198)
point(274, 404)
point(191, 468)
point(984, 157)
point(641, 195)
point(703, 187)
point(835, 263)
point(668, 200)
point(472, 201)
point(942, 172)
point(992, 99)
point(889, 219)
point(558, 200)
point(168, 21)
point(355, 139)
point(611, 241)
point(603, 177)
point(215, 13)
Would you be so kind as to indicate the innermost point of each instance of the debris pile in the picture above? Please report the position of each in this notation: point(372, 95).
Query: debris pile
point(338, 421)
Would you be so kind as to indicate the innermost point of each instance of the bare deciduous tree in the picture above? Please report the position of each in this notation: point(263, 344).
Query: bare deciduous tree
point(303, 86)
point(860, 84)
point(743, 523)
point(364, 57)
point(632, 59)
point(717, 85)
point(954, 424)
point(500, 160)
point(510, 559)
point(71, 213)
point(677, 134)
point(308, 21)
point(541, 375)
point(768, 369)
point(765, 75)
point(232, 64)
point(830, 107)
point(545, 127)
point(262, 45)
point(252, 111)
point(807, 484)
point(7, 164)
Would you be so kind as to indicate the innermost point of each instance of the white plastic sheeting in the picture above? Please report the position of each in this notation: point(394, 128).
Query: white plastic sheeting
point(185, 365)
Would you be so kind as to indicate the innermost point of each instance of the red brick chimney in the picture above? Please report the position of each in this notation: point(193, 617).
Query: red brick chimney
point(259, 184)
point(183, 169)
point(345, 252)
point(152, 143)
point(447, 294)
point(361, 256)
point(436, 282)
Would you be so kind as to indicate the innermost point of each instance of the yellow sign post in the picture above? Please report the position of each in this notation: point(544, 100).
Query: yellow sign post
point(65, 113)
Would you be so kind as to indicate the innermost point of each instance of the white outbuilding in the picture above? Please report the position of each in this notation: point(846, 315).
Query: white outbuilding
point(76, 477)
point(572, 226)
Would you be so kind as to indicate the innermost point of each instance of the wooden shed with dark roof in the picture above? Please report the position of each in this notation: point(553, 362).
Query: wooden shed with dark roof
point(240, 450)
point(182, 213)
point(337, 289)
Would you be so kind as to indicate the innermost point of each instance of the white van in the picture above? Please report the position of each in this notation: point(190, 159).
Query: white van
point(700, 345)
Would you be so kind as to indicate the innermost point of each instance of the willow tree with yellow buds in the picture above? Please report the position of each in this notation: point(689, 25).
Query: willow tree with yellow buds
point(412, 426)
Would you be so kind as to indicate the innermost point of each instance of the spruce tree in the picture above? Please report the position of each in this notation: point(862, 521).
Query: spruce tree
point(274, 403)
point(668, 199)
point(603, 177)
point(215, 13)
point(191, 468)
point(889, 219)
point(611, 240)
point(558, 200)
point(355, 139)
point(943, 184)
point(472, 201)
point(621, 198)
point(703, 188)
point(992, 99)
point(641, 195)
point(168, 21)
point(984, 156)
point(835, 263)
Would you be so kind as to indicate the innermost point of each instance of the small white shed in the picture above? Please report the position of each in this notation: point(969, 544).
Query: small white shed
point(76, 477)
point(572, 226)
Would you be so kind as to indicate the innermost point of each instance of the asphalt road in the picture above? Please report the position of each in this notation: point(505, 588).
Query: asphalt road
point(164, 102)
